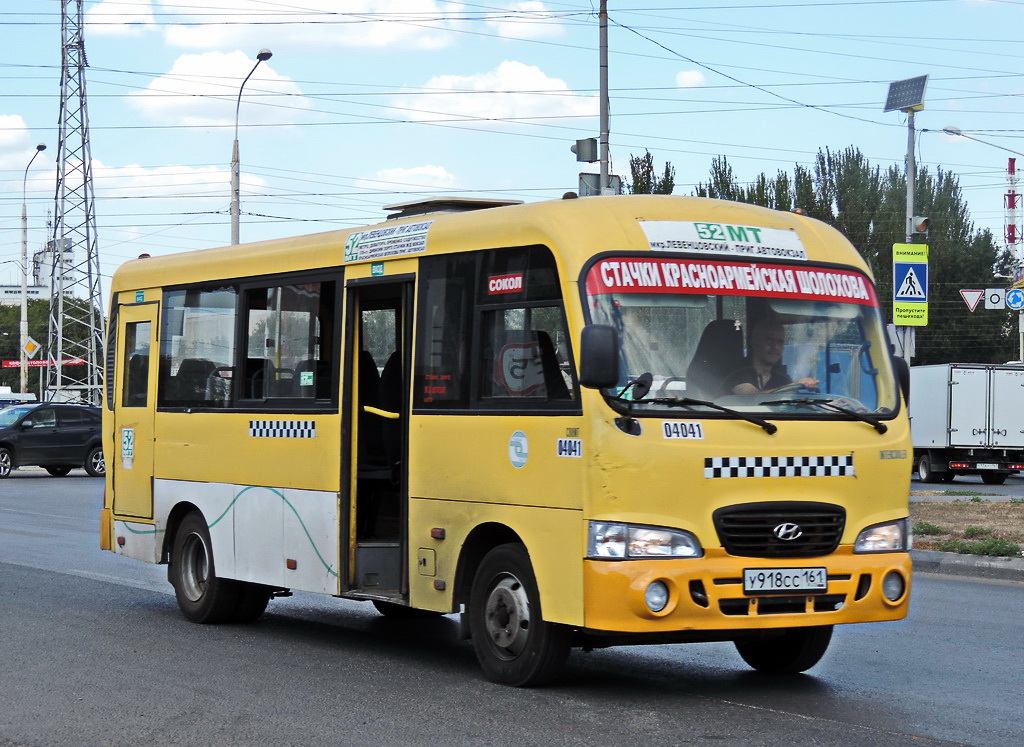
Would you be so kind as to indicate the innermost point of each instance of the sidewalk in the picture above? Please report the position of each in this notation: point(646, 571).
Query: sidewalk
point(977, 566)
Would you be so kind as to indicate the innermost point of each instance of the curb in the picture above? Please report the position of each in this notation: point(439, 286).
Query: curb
point(979, 566)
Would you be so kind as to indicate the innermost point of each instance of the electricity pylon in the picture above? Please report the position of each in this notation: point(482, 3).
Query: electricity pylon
point(76, 308)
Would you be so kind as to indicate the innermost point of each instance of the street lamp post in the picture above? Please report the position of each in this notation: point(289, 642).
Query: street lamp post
point(261, 56)
point(950, 130)
point(24, 270)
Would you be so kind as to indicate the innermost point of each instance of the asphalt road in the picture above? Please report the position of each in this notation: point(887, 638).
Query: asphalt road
point(94, 651)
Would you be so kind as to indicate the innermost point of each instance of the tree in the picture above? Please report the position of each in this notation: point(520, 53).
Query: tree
point(645, 182)
point(10, 341)
point(868, 205)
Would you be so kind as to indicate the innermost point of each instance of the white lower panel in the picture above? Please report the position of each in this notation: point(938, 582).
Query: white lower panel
point(141, 541)
point(256, 531)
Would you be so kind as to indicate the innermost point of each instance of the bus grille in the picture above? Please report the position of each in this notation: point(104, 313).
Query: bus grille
point(753, 530)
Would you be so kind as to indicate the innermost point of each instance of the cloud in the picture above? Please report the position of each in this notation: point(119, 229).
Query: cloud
point(120, 18)
point(425, 177)
point(187, 182)
point(513, 90)
point(409, 24)
point(17, 148)
point(526, 20)
point(690, 79)
point(202, 89)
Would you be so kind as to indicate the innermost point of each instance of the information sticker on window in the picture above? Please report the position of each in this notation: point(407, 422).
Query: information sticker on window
point(677, 429)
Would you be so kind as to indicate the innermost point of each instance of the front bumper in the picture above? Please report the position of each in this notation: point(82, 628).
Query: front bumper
point(707, 593)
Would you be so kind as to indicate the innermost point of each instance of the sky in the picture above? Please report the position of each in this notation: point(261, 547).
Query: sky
point(367, 103)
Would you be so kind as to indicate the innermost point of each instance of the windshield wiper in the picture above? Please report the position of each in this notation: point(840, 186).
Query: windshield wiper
point(828, 404)
point(770, 428)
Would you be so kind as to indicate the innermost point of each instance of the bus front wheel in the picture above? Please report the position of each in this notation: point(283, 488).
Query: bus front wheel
point(796, 650)
point(202, 597)
point(513, 643)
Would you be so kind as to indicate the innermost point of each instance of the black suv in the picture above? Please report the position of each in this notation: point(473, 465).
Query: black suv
point(56, 437)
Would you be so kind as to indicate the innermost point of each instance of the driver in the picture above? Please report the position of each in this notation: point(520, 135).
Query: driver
point(764, 371)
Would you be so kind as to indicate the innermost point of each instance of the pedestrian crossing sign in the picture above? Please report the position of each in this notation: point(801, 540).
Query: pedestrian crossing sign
point(910, 280)
point(910, 285)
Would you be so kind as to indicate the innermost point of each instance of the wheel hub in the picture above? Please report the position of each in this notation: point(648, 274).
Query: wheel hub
point(507, 617)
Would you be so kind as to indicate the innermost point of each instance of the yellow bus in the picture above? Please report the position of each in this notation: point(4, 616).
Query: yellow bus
point(580, 423)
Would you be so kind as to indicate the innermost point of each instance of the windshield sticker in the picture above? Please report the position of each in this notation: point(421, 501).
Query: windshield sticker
point(570, 447)
point(723, 238)
point(675, 429)
point(732, 278)
point(504, 284)
point(390, 241)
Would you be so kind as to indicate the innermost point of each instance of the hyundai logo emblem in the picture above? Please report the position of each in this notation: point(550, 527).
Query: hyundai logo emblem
point(787, 532)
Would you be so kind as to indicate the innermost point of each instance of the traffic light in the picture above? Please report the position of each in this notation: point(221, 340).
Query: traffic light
point(921, 224)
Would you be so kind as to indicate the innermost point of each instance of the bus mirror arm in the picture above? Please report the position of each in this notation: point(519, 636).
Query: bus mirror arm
point(599, 356)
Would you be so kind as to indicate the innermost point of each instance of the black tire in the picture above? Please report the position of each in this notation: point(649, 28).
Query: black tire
point(202, 597)
point(252, 602)
point(58, 471)
point(6, 462)
point(513, 643)
point(925, 473)
point(94, 463)
point(796, 650)
point(993, 478)
point(402, 612)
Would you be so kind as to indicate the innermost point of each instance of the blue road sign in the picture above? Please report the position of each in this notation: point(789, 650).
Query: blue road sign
point(1015, 299)
point(910, 281)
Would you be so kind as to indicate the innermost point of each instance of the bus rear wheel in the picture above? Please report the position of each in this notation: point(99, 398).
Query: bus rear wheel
point(795, 650)
point(202, 597)
point(513, 643)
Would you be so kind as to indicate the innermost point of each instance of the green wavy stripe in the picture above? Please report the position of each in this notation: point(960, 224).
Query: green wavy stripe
point(288, 503)
point(128, 526)
point(231, 505)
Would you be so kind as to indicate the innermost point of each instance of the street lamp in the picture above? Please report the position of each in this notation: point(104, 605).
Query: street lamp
point(24, 271)
point(261, 56)
point(951, 130)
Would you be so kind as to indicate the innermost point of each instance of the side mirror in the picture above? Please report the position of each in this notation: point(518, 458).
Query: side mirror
point(599, 356)
point(902, 376)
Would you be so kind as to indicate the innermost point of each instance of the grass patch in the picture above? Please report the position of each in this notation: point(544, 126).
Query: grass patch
point(994, 546)
point(975, 527)
point(927, 528)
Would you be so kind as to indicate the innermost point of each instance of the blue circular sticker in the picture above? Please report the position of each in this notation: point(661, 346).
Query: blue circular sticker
point(518, 449)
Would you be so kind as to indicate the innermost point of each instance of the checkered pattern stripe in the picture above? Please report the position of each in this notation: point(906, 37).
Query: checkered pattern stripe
point(282, 429)
point(815, 466)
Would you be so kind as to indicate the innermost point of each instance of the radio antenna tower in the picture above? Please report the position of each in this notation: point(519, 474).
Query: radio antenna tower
point(76, 309)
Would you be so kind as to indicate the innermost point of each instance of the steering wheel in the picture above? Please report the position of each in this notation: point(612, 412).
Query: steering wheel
point(796, 386)
point(663, 389)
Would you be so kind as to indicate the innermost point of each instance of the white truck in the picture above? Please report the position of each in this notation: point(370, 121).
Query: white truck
point(967, 419)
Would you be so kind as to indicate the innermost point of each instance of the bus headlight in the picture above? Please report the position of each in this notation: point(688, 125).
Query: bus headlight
point(631, 541)
point(892, 536)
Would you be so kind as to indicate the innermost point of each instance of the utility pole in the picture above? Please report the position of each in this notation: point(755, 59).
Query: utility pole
point(604, 186)
point(76, 308)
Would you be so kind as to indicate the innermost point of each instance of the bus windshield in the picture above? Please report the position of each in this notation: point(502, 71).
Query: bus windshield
point(762, 338)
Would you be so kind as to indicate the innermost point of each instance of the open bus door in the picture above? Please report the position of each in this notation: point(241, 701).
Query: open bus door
point(131, 464)
point(379, 356)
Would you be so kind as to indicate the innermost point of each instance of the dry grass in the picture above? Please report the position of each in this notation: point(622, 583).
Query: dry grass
point(962, 520)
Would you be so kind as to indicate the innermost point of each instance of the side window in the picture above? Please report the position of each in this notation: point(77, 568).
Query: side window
point(135, 384)
point(520, 360)
point(445, 330)
point(70, 417)
point(492, 332)
point(289, 348)
point(197, 348)
point(43, 418)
